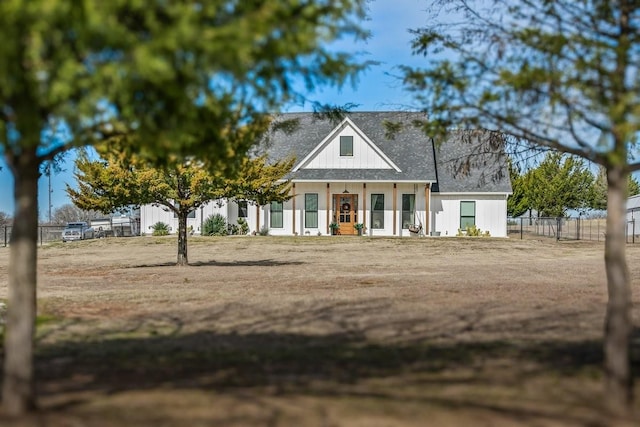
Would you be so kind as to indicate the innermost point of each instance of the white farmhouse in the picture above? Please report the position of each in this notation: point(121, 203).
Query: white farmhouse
point(356, 171)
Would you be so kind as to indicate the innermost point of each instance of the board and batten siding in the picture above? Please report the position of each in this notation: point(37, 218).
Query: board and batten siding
point(633, 216)
point(320, 189)
point(287, 219)
point(364, 156)
point(444, 214)
point(387, 190)
point(364, 208)
point(150, 215)
point(300, 227)
point(490, 213)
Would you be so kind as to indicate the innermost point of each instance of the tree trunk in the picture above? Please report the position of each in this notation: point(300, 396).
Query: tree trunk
point(18, 390)
point(258, 219)
point(617, 333)
point(182, 238)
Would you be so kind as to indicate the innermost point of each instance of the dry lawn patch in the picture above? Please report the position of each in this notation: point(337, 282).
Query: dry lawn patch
point(307, 331)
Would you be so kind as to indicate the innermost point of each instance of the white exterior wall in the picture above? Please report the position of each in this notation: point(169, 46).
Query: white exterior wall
point(387, 190)
point(364, 216)
point(364, 156)
point(232, 215)
point(287, 218)
point(150, 215)
point(491, 213)
point(444, 214)
point(420, 217)
point(633, 215)
point(300, 227)
point(310, 188)
point(633, 223)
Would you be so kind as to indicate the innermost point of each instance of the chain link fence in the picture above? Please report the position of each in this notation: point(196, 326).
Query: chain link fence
point(46, 234)
point(576, 228)
point(557, 228)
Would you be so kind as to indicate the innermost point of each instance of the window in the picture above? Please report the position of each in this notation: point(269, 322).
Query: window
point(242, 209)
point(346, 146)
point(191, 214)
point(467, 214)
point(408, 210)
point(311, 210)
point(377, 211)
point(276, 215)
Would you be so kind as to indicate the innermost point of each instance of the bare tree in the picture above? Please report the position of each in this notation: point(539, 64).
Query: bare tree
point(5, 219)
point(563, 74)
point(70, 212)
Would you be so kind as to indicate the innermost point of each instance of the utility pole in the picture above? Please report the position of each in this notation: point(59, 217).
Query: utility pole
point(50, 190)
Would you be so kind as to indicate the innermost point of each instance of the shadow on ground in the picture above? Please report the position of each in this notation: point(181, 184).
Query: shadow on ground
point(336, 366)
point(214, 263)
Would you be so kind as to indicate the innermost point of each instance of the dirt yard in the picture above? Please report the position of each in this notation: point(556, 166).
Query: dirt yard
point(305, 331)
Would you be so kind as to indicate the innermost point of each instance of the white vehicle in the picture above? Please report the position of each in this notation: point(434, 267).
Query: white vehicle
point(77, 231)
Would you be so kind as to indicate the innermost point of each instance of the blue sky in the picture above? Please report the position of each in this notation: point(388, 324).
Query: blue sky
point(376, 89)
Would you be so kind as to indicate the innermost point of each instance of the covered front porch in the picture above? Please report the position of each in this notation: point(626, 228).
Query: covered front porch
point(352, 208)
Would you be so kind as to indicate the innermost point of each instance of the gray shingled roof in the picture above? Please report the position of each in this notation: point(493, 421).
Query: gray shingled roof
point(472, 161)
point(408, 148)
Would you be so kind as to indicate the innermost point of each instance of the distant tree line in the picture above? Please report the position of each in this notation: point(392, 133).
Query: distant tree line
point(61, 215)
point(70, 213)
point(5, 219)
point(560, 183)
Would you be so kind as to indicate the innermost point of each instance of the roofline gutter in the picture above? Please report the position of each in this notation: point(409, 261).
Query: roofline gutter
point(386, 181)
point(472, 193)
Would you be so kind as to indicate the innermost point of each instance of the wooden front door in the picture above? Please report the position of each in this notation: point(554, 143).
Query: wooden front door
point(346, 212)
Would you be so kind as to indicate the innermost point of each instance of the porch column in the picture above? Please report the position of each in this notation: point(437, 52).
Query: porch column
point(364, 205)
point(395, 203)
point(293, 189)
point(328, 205)
point(427, 200)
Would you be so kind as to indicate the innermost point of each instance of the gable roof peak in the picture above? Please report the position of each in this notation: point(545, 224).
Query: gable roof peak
point(331, 137)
